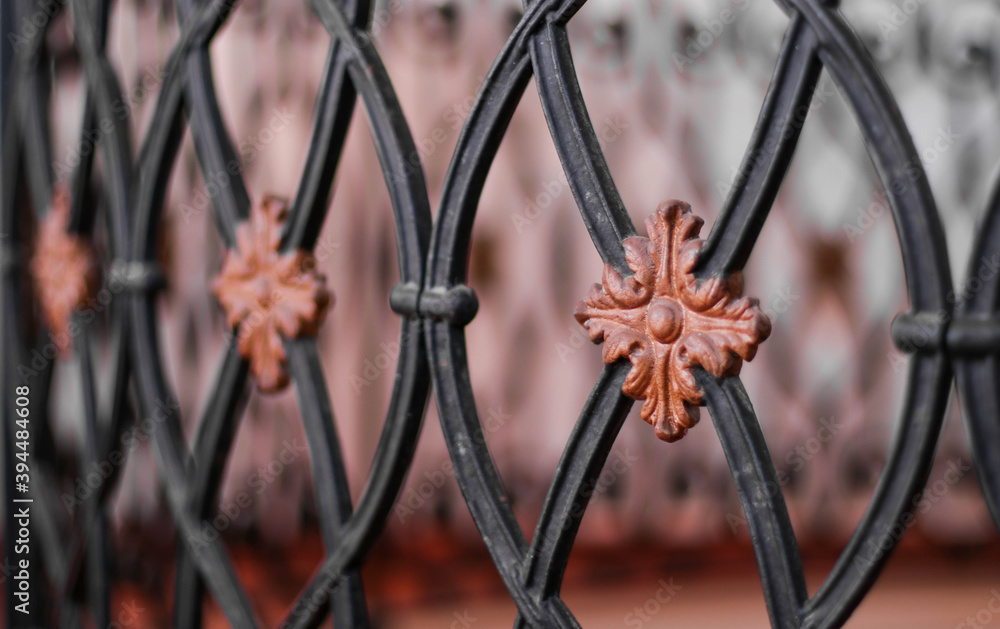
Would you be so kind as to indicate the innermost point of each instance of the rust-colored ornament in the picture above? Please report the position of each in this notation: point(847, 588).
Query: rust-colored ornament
point(667, 322)
point(63, 269)
point(267, 295)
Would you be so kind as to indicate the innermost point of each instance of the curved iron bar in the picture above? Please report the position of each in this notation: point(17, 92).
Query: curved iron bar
point(576, 141)
point(335, 107)
point(390, 465)
point(115, 154)
point(213, 145)
point(32, 68)
point(88, 535)
point(212, 441)
point(760, 494)
point(768, 155)
point(216, 155)
point(330, 480)
point(974, 344)
point(434, 301)
point(928, 279)
point(98, 581)
point(156, 157)
point(574, 135)
point(454, 305)
point(350, 53)
point(447, 265)
point(817, 36)
point(411, 210)
point(573, 485)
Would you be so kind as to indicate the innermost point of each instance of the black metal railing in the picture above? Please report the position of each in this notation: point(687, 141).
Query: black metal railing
point(122, 209)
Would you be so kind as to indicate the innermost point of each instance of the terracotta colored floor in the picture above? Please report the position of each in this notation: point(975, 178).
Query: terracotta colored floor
point(913, 594)
point(429, 583)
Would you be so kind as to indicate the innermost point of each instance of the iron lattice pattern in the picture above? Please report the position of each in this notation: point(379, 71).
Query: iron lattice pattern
point(110, 223)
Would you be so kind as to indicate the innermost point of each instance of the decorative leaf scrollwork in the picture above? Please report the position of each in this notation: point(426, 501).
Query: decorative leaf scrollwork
point(667, 322)
point(267, 295)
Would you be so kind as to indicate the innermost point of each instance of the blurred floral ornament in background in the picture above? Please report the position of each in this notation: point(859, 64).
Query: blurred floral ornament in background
point(268, 295)
point(63, 268)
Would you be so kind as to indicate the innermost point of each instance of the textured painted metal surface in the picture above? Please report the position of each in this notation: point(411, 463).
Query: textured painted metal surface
point(667, 323)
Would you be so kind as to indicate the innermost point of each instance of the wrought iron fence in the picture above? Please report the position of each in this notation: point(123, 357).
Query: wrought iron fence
point(81, 270)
